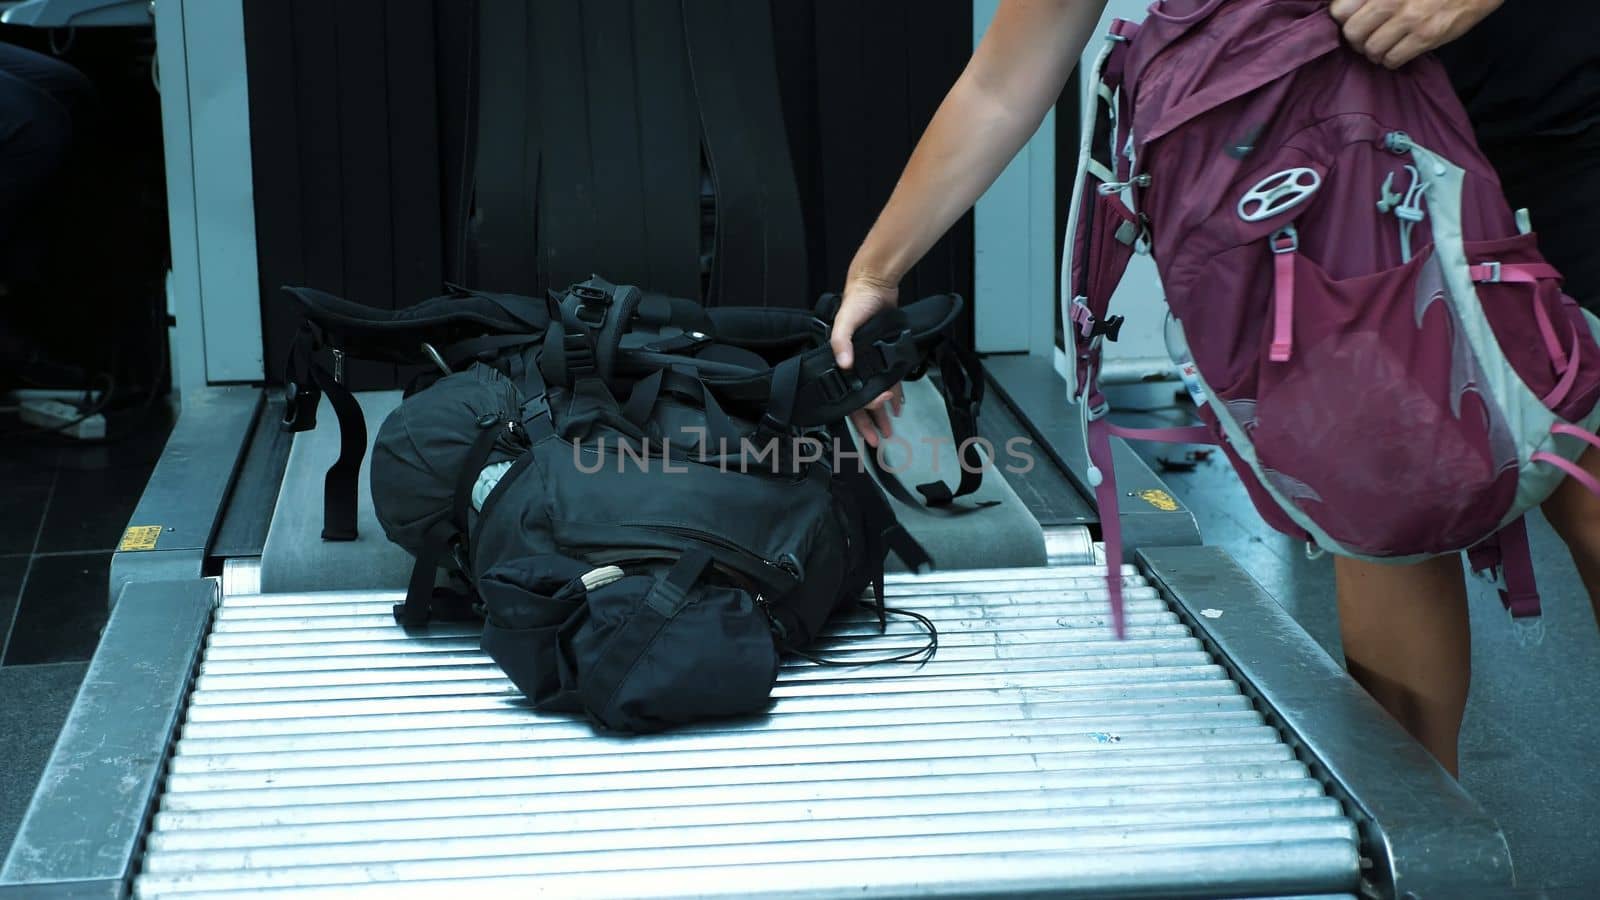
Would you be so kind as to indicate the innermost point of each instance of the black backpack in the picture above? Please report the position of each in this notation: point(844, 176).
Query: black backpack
point(646, 501)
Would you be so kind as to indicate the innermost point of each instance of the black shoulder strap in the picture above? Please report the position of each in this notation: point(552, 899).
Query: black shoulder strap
point(466, 324)
point(888, 347)
point(306, 380)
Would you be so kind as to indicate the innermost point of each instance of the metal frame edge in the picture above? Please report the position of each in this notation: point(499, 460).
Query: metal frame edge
point(84, 828)
point(1152, 516)
point(189, 488)
point(1425, 836)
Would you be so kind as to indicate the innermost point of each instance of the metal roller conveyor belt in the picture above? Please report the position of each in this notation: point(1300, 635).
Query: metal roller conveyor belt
point(326, 751)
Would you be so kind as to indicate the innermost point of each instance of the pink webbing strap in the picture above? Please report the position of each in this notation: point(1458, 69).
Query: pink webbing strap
point(1284, 246)
point(1569, 467)
point(1529, 273)
point(1105, 497)
point(1105, 493)
point(1568, 378)
point(1188, 434)
point(1587, 437)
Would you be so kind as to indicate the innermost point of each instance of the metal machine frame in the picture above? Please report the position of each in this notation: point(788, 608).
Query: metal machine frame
point(83, 833)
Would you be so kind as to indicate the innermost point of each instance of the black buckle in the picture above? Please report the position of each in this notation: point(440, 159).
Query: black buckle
point(592, 304)
point(835, 385)
point(1109, 327)
point(902, 350)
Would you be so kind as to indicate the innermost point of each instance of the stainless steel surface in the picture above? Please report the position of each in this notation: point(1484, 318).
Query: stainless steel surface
point(1069, 545)
point(1426, 836)
point(325, 752)
point(241, 576)
point(1151, 515)
point(189, 487)
point(81, 834)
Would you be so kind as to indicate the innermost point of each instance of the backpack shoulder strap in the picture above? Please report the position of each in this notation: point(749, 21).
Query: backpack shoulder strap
point(463, 323)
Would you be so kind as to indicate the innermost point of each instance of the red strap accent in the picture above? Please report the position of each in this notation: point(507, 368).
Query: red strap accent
point(1124, 29)
point(1519, 273)
point(1569, 467)
point(1527, 273)
point(1105, 496)
point(1282, 303)
point(1190, 434)
point(1568, 378)
point(1521, 594)
point(1587, 437)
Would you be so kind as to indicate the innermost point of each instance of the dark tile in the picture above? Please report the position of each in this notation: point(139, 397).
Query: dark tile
point(12, 571)
point(91, 508)
point(37, 699)
point(26, 493)
point(63, 610)
point(100, 484)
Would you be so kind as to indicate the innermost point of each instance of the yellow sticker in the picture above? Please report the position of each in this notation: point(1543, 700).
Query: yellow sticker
point(139, 537)
point(1160, 500)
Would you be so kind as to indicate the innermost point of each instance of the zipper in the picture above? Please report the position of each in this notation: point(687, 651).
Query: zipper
point(782, 574)
point(787, 567)
point(620, 556)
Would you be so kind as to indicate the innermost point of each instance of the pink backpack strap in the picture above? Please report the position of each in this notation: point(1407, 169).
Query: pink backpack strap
point(1508, 556)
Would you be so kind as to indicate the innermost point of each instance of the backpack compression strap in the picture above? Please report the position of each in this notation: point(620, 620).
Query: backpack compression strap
point(595, 322)
point(810, 389)
point(463, 323)
point(447, 539)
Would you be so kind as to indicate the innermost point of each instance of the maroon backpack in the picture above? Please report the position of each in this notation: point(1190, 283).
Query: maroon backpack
point(1370, 332)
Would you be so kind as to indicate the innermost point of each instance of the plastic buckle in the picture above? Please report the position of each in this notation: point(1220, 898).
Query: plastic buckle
point(900, 351)
point(291, 404)
point(836, 385)
point(592, 304)
point(1109, 327)
point(458, 555)
point(1493, 267)
point(1285, 240)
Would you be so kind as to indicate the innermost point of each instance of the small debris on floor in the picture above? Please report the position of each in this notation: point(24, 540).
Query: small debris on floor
point(1211, 613)
point(1188, 462)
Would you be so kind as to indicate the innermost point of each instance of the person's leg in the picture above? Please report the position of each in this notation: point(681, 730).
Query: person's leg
point(1407, 642)
point(1574, 512)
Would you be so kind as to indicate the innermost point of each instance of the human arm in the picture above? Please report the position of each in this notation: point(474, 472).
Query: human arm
point(1014, 77)
point(1392, 33)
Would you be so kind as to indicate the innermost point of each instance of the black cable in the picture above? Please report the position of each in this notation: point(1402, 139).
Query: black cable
point(926, 651)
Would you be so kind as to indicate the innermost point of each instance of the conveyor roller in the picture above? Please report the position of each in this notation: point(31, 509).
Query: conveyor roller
point(324, 751)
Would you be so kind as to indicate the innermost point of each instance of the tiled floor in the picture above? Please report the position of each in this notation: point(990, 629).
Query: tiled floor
point(64, 508)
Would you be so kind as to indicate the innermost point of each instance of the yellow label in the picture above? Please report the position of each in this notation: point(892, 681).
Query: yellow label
point(1160, 500)
point(139, 537)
